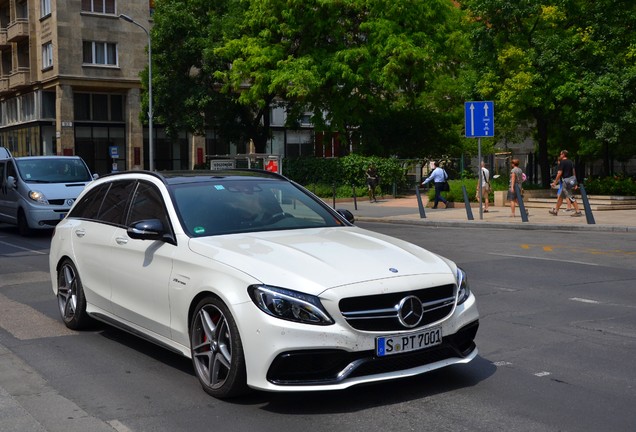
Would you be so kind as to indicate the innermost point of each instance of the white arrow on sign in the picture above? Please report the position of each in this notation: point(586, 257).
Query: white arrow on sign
point(472, 119)
point(485, 110)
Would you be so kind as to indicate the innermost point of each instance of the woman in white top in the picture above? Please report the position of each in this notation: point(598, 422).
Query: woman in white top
point(485, 187)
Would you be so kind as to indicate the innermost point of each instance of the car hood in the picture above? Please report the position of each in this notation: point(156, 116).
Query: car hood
point(58, 190)
point(314, 260)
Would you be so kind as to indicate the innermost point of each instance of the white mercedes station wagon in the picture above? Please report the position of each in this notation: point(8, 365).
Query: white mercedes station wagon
point(258, 281)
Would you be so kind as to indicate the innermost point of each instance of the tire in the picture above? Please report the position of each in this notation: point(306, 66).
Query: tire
point(70, 297)
point(217, 351)
point(23, 224)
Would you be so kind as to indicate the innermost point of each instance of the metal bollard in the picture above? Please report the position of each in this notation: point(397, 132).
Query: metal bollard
point(469, 211)
point(333, 188)
point(586, 204)
point(522, 207)
point(355, 198)
point(420, 206)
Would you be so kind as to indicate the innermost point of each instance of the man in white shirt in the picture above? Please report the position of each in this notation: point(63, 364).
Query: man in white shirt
point(438, 177)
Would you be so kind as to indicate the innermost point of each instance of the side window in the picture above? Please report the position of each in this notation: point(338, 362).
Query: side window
point(148, 204)
point(115, 202)
point(88, 206)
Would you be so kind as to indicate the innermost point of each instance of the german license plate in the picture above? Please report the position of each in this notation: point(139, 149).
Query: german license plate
point(397, 344)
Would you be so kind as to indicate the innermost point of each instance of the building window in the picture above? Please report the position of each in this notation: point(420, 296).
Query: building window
point(99, 6)
point(47, 55)
point(98, 107)
point(48, 105)
point(100, 53)
point(45, 8)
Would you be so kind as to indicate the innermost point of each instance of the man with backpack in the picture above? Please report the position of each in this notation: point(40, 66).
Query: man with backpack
point(567, 176)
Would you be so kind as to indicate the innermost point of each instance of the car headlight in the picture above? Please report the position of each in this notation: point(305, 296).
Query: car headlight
point(289, 305)
point(463, 291)
point(38, 197)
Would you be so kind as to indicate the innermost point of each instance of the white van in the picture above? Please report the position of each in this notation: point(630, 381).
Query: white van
point(36, 192)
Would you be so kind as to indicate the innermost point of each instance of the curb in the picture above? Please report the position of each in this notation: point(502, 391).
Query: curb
point(496, 225)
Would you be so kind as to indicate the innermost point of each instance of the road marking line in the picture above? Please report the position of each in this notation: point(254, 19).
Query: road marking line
point(26, 323)
point(544, 259)
point(24, 249)
point(118, 426)
point(582, 300)
point(542, 374)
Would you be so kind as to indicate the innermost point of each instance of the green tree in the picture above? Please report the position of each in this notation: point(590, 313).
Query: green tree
point(390, 72)
point(187, 96)
point(548, 64)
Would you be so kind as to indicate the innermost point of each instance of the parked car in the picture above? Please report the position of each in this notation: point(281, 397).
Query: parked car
point(258, 281)
point(36, 192)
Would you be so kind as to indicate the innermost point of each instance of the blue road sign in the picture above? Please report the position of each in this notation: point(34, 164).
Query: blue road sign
point(479, 119)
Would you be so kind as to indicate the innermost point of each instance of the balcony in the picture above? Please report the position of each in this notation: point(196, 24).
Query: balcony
point(18, 30)
point(4, 85)
point(4, 43)
point(20, 77)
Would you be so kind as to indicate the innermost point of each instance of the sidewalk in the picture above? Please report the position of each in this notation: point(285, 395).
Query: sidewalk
point(405, 210)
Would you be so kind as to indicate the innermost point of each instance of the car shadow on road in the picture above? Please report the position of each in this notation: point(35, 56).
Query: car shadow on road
point(354, 399)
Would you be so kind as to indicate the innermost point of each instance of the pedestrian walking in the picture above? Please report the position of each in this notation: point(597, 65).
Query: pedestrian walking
point(485, 187)
point(373, 179)
point(566, 181)
point(439, 178)
point(516, 178)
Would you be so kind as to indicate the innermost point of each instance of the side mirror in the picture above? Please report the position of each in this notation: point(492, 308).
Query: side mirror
point(95, 176)
point(347, 215)
point(11, 182)
point(149, 229)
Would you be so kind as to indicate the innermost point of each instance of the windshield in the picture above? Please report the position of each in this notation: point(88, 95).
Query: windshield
point(53, 170)
point(225, 206)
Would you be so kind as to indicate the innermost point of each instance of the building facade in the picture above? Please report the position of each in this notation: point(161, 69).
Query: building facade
point(69, 80)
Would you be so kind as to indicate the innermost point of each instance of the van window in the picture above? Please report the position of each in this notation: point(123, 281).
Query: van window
point(52, 170)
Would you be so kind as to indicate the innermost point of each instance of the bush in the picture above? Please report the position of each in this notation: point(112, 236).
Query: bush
point(624, 186)
point(610, 186)
point(321, 174)
point(342, 191)
point(456, 193)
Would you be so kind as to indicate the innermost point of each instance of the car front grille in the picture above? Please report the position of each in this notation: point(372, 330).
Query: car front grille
point(380, 312)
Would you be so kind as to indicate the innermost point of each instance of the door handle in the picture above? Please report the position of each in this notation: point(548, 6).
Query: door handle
point(80, 233)
point(121, 240)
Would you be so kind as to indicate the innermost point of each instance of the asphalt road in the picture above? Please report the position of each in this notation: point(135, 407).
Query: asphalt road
point(557, 341)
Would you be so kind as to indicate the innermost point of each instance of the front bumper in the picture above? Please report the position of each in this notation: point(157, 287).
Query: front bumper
point(330, 367)
point(45, 217)
point(287, 356)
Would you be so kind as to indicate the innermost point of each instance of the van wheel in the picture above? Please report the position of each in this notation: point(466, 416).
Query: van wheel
point(23, 225)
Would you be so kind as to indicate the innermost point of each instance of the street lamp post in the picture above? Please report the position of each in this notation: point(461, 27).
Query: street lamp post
point(151, 150)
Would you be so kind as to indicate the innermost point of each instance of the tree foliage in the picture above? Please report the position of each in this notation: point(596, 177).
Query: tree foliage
point(563, 67)
point(394, 73)
point(356, 65)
